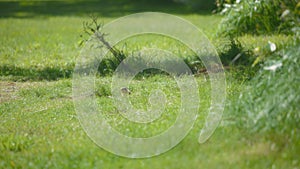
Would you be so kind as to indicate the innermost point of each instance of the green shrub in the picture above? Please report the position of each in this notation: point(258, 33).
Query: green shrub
point(260, 17)
point(272, 101)
point(233, 53)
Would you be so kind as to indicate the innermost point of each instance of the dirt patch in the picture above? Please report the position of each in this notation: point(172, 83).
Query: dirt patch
point(8, 91)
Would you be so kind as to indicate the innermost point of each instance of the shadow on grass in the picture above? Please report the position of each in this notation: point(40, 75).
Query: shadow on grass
point(103, 8)
point(106, 67)
point(15, 73)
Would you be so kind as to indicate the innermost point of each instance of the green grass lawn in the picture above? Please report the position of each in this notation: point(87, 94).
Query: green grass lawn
point(39, 126)
point(39, 129)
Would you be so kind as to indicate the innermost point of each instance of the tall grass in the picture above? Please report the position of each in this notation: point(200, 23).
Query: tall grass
point(272, 102)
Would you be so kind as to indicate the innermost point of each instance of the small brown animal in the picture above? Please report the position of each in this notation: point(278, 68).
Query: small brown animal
point(125, 90)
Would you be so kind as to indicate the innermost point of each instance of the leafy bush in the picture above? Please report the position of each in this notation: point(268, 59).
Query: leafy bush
point(234, 53)
point(272, 102)
point(260, 17)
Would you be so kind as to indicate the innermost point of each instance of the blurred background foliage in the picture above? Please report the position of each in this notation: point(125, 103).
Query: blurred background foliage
point(104, 8)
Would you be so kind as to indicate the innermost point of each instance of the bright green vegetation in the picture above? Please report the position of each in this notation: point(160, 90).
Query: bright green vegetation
point(260, 16)
point(39, 126)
